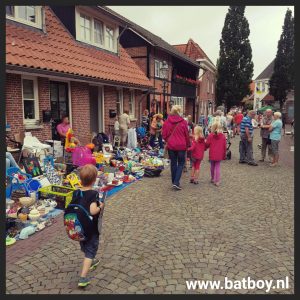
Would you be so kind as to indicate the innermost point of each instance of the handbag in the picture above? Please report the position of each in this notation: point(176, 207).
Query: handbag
point(269, 140)
point(166, 154)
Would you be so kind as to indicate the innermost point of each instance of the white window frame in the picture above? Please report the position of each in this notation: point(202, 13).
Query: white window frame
point(85, 17)
point(36, 101)
point(38, 16)
point(132, 104)
point(263, 87)
point(105, 24)
point(160, 65)
point(157, 65)
point(212, 87)
point(120, 101)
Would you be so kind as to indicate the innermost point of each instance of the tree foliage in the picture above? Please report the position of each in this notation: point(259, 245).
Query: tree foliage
point(235, 66)
point(283, 77)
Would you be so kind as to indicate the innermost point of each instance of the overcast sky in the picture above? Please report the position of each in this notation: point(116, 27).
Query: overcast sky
point(176, 24)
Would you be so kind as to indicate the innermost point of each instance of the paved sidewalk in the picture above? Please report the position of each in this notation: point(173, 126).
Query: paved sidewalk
point(154, 238)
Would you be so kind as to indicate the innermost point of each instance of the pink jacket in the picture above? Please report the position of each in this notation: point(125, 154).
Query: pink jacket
point(217, 146)
point(198, 148)
point(179, 139)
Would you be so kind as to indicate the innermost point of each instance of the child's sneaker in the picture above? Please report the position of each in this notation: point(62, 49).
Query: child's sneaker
point(84, 281)
point(94, 265)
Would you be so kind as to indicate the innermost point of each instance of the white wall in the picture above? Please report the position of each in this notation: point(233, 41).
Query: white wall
point(259, 95)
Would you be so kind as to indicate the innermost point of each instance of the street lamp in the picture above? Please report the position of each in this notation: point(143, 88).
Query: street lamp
point(164, 73)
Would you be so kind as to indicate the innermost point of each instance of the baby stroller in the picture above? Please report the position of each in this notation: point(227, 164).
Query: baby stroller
point(142, 137)
point(228, 143)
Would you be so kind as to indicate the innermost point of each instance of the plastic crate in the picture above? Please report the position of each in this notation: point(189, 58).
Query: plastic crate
point(61, 194)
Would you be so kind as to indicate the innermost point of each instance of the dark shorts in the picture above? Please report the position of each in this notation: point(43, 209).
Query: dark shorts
point(275, 146)
point(90, 247)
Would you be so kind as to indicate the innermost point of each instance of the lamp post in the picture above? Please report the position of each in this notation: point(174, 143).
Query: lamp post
point(164, 72)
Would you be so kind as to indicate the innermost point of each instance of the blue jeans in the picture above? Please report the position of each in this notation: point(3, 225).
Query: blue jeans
point(177, 163)
point(10, 161)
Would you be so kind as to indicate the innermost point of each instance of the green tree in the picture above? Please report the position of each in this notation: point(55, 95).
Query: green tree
point(283, 77)
point(235, 66)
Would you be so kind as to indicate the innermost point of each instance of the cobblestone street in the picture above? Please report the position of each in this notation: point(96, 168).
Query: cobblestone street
point(155, 238)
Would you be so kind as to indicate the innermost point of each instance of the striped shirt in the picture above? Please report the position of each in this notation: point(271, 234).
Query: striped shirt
point(246, 122)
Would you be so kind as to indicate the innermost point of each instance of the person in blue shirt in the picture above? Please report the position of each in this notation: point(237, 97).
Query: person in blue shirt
point(246, 144)
point(275, 136)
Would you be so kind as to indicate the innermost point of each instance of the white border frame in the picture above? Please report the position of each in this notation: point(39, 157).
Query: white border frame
point(38, 16)
point(115, 27)
point(36, 100)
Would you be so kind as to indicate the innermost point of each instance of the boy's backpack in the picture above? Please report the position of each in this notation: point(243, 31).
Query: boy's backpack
point(77, 220)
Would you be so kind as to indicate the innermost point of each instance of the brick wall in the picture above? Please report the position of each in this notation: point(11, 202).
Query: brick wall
point(81, 111)
point(110, 102)
point(14, 106)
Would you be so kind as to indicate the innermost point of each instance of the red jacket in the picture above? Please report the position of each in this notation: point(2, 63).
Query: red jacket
point(217, 146)
point(179, 139)
point(238, 118)
point(198, 148)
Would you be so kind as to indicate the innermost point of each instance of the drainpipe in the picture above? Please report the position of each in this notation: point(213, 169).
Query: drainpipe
point(118, 38)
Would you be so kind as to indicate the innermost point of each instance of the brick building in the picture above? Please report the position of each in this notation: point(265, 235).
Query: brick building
point(207, 77)
point(66, 60)
point(150, 52)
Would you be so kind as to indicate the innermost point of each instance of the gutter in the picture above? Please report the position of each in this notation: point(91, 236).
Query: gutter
point(68, 76)
point(118, 39)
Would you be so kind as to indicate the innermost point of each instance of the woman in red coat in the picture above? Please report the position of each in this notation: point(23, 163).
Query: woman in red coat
point(175, 133)
point(216, 142)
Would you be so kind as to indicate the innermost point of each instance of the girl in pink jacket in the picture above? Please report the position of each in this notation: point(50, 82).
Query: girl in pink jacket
point(216, 142)
point(197, 152)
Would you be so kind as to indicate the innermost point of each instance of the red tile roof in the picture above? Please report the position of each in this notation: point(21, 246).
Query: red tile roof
point(268, 97)
point(57, 50)
point(192, 50)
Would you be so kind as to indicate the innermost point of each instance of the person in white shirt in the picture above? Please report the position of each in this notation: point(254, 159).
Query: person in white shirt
point(124, 122)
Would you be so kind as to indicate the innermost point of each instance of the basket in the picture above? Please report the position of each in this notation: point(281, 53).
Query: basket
point(61, 194)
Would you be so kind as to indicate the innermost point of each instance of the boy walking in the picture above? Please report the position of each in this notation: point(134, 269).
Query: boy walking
point(89, 199)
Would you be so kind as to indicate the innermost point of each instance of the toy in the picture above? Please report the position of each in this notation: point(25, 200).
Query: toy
point(82, 156)
point(70, 141)
point(74, 181)
point(90, 146)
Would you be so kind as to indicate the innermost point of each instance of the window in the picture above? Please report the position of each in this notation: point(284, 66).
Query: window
point(91, 30)
point(30, 99)
point(29, 15)
point(178, 101)
point(109, 38)
point(120, 102)
point(207, 86)
point(263, 87)
point(212, 87)
point(98, 32)
point(157, 68)
point(85, 28)
point(132, 105)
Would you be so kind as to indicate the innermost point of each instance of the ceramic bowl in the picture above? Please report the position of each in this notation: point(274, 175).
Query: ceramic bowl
point(26, 201)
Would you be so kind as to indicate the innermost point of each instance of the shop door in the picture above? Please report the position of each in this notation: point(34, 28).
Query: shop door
point(59, 104)
point(96, 111)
